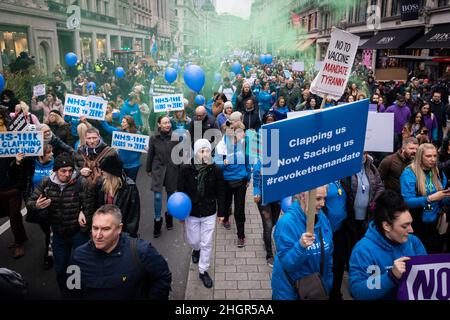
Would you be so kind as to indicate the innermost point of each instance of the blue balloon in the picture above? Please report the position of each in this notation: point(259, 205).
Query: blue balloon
point(170, 75)
point(286, 203)
point(217, 77)
point(268, 59)
point(200, 100)
point(120, 73)
point(91, 86)
point(179, 205)
point(194, 77)
point(262, 59)
point(2, 82)
point(71, 59)
point(236, 67)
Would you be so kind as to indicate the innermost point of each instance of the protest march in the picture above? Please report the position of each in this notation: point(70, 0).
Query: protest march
point(253, 160)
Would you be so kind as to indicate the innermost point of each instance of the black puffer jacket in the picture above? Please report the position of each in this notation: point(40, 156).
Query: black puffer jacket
point(214, 198)
point(67, 202)
point(128, 200)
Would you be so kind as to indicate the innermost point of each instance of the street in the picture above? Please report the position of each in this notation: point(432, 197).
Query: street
point(42, 284)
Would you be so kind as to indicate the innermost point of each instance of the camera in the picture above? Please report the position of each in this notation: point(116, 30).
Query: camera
point(228, 123)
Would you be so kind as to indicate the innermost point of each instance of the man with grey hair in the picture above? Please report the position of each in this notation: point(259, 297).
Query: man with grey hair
point(202, 121)
point(114, 266)
point(392, 166)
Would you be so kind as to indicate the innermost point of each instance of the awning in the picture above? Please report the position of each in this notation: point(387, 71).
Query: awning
point(391, 39)
point(438, 37)
point(305, 44)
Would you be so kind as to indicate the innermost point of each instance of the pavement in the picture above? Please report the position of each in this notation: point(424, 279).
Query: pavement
point(239, 273)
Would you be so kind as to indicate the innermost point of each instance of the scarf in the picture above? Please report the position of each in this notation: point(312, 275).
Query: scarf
point(203, 170)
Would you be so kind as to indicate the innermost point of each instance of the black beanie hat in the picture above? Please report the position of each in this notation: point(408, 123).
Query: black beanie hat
point(56, 111)
point(63, 160)
point(112, 165)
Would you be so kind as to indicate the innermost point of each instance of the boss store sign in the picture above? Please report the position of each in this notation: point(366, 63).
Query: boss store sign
point(410, 9)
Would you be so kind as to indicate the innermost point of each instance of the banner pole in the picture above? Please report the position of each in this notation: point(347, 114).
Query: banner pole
point(311, 211)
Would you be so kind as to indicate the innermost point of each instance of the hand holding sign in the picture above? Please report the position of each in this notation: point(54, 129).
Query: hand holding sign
point(399, 267)
point(307, 239)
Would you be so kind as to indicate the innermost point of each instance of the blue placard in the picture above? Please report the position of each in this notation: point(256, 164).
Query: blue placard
point(312, 150)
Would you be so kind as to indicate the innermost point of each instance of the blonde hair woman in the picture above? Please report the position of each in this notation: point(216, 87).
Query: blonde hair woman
point(299, 252)
point(81, 130)
point(423, 187)
point(118, 189)
point(25, 109)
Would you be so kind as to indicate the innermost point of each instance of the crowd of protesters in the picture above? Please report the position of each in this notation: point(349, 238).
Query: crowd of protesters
point(84, 195)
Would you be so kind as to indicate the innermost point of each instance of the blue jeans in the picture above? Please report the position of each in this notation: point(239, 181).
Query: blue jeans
point(62, 250)
point(158, 203)
point(132, 173)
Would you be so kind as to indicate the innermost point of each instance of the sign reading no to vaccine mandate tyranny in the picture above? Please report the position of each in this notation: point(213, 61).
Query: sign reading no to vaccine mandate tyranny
point(332, 79)
point(302, 153)
point(426, 278)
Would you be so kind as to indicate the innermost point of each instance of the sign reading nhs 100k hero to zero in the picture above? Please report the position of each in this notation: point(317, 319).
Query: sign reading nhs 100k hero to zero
point(171, 102)
point(305, 152)
point(91, 107)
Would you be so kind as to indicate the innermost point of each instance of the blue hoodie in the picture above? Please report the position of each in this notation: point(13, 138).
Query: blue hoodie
point(291, 257)
point(74, 122)
point(375, 250)
point(130, 159)
point(41, 171)
point(408, 187)
point(265, 101)
point(335, 203)
point(132, 111)
point(257, 179)
point(238, 167)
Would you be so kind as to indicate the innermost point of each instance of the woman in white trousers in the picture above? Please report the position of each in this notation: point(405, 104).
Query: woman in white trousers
point(203, 182)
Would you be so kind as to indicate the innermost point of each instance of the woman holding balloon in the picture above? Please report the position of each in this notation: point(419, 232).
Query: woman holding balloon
point(163, 171)
point(203, 182)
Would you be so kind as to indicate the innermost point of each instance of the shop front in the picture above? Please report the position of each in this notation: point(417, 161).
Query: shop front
point(13, 40)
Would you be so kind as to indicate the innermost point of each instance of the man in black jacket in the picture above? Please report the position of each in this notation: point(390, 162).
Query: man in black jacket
point(438, 108)
point(202, 121)
point(59, 200)
point(114, 266)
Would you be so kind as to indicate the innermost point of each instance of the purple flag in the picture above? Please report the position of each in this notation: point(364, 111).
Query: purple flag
point(426, 278)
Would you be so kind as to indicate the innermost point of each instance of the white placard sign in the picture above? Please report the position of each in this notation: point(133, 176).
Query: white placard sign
point(318, 65)
point(30, 143)
point(39, 90)
point(162, 63)
point(298, 66)
point(91, 107)
point(332, 79)
point(172, 102)
point(380, 132)
point(130, 141)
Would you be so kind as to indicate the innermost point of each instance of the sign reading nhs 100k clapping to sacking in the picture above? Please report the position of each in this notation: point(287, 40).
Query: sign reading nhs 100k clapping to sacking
point(130, 141)
point(426, 278)
point(305, 152)
point(30, 143)
point(91, 107)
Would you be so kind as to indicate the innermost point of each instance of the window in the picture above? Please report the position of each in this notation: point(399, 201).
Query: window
point(99, 6)
point(315, 20)
point(384, 4)
point(443, 3)
point(176, 12)
point(395, 10)
point(107, 8)
point(350, 15)
point(361, 11)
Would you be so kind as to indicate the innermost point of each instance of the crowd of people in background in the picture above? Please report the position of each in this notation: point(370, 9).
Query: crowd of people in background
point(84, 195)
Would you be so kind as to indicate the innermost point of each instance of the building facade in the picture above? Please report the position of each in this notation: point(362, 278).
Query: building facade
point(40, 28)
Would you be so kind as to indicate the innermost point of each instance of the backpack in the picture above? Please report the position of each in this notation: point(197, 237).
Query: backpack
point(94, 165)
